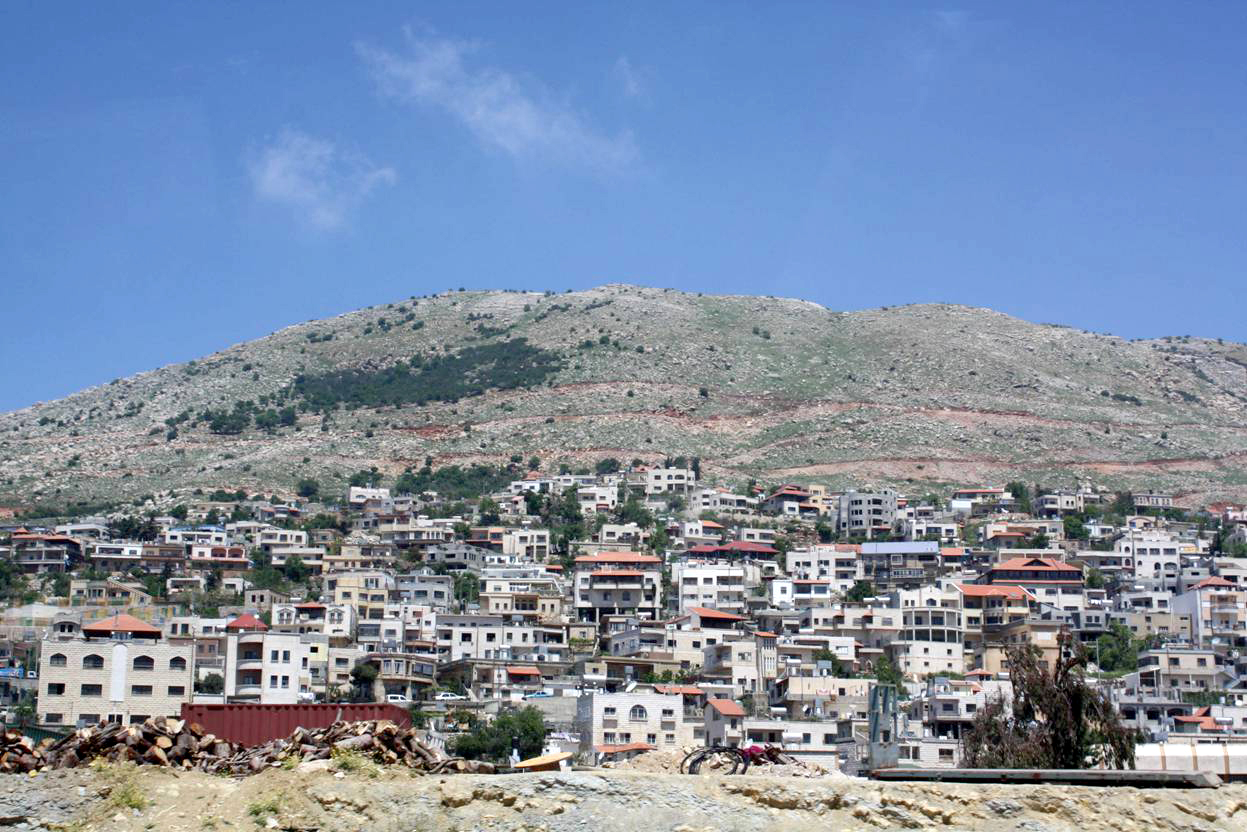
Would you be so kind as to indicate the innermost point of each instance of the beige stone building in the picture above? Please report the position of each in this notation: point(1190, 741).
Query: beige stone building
point(115, 670)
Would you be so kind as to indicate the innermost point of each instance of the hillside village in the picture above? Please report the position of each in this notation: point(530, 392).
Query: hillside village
point(638, 607)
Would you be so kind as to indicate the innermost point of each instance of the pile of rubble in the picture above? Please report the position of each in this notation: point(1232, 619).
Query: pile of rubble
point(668, 762)
point(166, 741)
point(17, 753)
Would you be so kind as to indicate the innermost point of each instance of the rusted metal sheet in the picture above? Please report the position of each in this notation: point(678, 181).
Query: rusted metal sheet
point(257, 724)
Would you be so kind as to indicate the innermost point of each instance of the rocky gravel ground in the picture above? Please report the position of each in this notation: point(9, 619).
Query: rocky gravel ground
point(315, 797)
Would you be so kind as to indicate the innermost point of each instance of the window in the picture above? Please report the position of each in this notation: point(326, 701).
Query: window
point(177, 690)
point(272, 656)
point(53, 719)
point(668, 713)
point(56, 689)
point(609, 737)
point(177, 663)
point(144, 663)
point(946, 754)
point(56, 660)
point(89, 719)
point(285, 681)
point(637, 714)
point(285, 656)
point(93, 662)
point(652, 739)
point(272, 681)
point(608, 711)
point(92, 690)
point(140, 690)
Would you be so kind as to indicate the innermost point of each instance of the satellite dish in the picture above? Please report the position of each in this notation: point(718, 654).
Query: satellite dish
point(630, 687)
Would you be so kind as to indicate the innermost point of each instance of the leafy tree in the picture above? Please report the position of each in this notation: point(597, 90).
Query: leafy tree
point(362, 677)
point(860, 591)
point(362, 478)
point(467, 587)
point(838, 668)
point(1094, 579)
point(1123, 504)
point(211, 683)
point(1021, 495)
point(308, 488)
point(1039, 540)
point(632, 511)
point(1074, 528)
point(1056, 720)
point(659, 540)
point(506, 365)
point(524, 729)
point(488, 510)
point(887, 673)
point(296, 570)
point(178, 512)
point(609, 465)
point(213, 518)
point(534, 463)
point(533, 502)
point(1118, 649)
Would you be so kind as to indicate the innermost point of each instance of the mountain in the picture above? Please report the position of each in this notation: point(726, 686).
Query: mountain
point(922, 396)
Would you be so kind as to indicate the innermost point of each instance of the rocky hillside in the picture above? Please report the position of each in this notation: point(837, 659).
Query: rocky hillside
point(921, 396)
point(125, 799)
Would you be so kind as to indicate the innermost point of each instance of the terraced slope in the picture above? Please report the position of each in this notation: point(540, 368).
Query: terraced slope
point(923, 396)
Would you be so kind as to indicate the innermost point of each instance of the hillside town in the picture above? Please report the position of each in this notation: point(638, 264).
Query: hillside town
point(640, 608)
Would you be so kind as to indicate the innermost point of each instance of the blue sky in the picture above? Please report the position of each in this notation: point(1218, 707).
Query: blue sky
point(181, 177)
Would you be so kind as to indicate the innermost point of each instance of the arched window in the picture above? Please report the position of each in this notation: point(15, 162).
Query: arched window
point(177, 663)
point(56, 660)
point(93, 662)
point(144, 663)
point(637, 714)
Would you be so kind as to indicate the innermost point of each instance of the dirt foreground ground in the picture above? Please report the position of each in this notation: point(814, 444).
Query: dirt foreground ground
point(127, 799)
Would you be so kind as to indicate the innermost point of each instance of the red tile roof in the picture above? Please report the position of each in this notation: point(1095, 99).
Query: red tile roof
point(1044, 564)
point(246, 622)
point(618, 573)
point(120, 623)
point(706, 612)
point(618, 557)
point(726, 707)
point(1013, 593)
point(1215, 581)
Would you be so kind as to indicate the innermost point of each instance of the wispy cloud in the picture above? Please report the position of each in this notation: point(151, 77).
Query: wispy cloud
point(629, 78)
point(320, 182)
point(504, 111)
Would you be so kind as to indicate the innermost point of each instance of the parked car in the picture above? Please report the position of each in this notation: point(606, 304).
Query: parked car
point(397, 699)
point(538, 694)
point(447, 696)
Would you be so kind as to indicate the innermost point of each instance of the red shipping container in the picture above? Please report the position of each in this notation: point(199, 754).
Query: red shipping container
point(257, 724)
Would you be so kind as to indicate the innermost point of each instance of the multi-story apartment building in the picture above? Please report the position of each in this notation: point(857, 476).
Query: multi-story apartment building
point(1217, 610)
point(660, 481)
point(866, 513)
point(262, 666)
point(115, 670)
point(1181, 669)
point(618, 583)
point(719, 586)
point(894, 565)
point(662, 721)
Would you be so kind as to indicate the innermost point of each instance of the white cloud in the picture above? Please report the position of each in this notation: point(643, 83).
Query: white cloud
point(629, 78)
point(502, 110)
point(320, 182)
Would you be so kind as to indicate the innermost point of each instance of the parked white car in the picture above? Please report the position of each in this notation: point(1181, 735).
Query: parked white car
point(447, 696)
